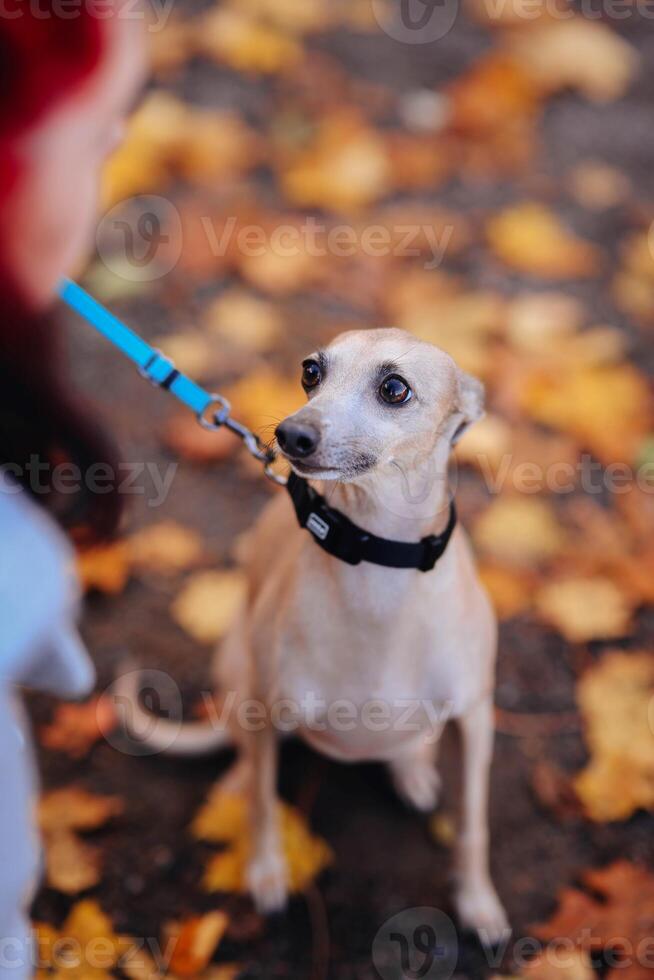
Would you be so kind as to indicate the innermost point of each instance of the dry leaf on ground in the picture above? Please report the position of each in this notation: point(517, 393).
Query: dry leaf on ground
point(510, 589)
point(196, 940)
point(104, 568)
point(575, 52)
point(231, 36)
point(615, 699)
point(607, 409)
point(614, 913)
point(244, 320)
point(263, 399)
point(346, 167)
point(224, 819)
point(532, 239)
point(74, 808)
point(75, 728)
point(165, 548)
point(208, 603)
point(585, 609)
point(71, 865)
point(187, 439)
point(522, 530)
point(87, 933)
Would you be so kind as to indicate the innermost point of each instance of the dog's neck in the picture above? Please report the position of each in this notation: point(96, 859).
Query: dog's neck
point(396, 501)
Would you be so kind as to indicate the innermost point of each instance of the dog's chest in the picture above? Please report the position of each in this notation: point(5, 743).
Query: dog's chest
point(366, 664)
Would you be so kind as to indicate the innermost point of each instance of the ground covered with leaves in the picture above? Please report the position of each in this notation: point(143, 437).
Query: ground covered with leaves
point(512, 160)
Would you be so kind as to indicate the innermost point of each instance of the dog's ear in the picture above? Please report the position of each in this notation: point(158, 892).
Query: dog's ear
point(469, 403)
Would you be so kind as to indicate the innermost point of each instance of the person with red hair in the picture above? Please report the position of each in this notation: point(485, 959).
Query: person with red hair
point(67, 78)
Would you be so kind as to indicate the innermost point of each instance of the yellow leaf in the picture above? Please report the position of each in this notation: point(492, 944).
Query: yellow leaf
point(208, 604)
point(71, 865)
point(346, 167)
point(165, 547)
point(73, 808)
point(190, 350)
point(196, 940)
point(245, 44)
point(521, 530)
point(615, 699)
point(575, 52)
point(244, 320)
point(584, 609)
point(263, 399)
point(530, 238)
point(608, 409)
point(104, 567)
point(509, 589)
point(224, 818)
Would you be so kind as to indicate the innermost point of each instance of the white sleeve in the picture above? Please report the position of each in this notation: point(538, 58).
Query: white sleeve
point(39, 599)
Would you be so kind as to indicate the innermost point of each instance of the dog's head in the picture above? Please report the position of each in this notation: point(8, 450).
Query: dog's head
point(376, 397)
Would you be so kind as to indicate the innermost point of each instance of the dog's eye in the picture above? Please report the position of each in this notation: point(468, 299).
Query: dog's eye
point(311, 374)
point(395, 390)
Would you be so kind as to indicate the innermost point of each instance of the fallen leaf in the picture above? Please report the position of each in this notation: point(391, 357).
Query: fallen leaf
point(520, 530)
point(614, 914)
point(608, 409)
point(104, 568)
point(224, 819)
point(597, 186)
point(187, 439)
point(196, 940)
point(264, 398)
point(510, 589)
point(191, 352)
point(345, 168)
point(75, 728)
point(71, 865)
point(85, 948)
point(244, 320)
point(577, 53)
point(244, 43)
point(531, 238)
point(584, 609)
point(165, 548)
point(494, 92)
point(536, 321)
point(74, 808)
point(208, 603)
point(615, 699)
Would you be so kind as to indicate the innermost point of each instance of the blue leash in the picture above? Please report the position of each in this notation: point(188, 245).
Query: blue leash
point(211, 410)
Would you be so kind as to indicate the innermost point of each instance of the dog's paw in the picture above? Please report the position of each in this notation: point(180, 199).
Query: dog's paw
point(267, 881)
point(479, 908)
point(417, 783)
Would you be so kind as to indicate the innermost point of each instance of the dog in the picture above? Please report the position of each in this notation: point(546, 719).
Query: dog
point(383, 412)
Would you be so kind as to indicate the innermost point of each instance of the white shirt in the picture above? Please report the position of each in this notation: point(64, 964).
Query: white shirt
point(39, 648)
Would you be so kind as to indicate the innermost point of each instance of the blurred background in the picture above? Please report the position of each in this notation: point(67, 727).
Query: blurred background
point(480, 174)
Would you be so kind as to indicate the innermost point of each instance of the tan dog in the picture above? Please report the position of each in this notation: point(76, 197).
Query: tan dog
point(367, 662)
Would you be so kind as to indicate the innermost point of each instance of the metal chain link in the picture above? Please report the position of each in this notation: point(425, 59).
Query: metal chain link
point(218, 414)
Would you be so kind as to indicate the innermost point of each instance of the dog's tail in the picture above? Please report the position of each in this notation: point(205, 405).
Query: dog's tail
point(151, 734)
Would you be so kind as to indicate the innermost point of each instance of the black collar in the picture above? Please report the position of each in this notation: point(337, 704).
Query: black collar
point(336, 534)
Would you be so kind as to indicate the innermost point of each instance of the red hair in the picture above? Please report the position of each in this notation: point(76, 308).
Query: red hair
point(44, 58)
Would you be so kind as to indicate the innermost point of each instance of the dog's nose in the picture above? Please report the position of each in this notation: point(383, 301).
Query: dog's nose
point(296, 439)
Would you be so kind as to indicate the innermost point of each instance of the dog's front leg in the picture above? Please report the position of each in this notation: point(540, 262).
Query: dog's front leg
point(477, 902)
point(267, 873)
